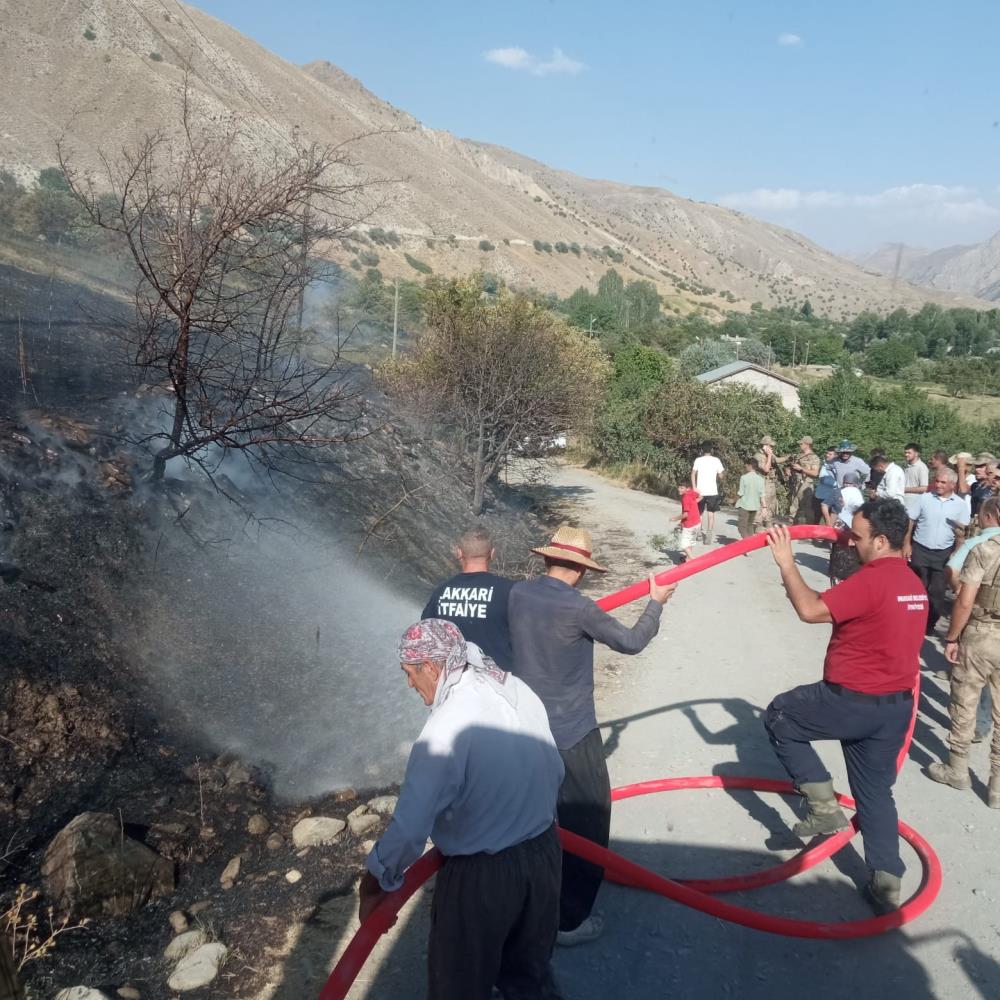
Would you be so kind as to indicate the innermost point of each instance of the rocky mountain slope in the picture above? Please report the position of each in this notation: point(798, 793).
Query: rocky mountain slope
point(98, 71)
point(971, 270)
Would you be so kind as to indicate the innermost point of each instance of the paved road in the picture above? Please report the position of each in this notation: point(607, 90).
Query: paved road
point(690, 705)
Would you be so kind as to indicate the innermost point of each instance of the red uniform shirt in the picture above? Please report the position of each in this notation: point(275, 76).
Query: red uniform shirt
point(689, 505)
point(879, 616)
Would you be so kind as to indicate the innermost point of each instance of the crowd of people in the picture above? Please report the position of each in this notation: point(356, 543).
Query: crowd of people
point(512, 751)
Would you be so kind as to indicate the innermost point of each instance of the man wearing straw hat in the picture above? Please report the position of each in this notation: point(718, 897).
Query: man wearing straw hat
point(553, 629)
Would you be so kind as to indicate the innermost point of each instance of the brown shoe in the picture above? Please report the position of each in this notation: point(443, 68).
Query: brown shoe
point(954, 773)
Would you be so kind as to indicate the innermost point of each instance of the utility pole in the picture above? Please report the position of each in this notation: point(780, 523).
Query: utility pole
point(590, 329)
point(805, 363)
point(795, 341)
point(395, 317)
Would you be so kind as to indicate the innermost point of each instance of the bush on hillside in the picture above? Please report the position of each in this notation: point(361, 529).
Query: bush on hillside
point(486, 246)
point(418, 265)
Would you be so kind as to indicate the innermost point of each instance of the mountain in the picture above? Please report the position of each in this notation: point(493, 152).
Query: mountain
point(98, 72)
point(971, 270)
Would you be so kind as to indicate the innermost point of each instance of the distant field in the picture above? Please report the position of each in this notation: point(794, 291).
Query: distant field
point(979, 409)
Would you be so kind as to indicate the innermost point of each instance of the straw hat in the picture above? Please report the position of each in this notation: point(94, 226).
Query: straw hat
point(767, 439)
point(952, 459)
point(984, 458)
point(571, 545)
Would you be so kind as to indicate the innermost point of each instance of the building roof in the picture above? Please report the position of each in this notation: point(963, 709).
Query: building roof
point(735, 367)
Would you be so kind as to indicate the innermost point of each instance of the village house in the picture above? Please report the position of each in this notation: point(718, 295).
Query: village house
point(747, 373)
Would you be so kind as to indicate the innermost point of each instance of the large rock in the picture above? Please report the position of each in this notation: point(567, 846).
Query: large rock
point(184, 944)
point(315, 831)
point(93, 869)
point(362, 823)
point(198, 968)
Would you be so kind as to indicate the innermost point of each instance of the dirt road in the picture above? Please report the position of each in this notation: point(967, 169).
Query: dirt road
point(691, 705)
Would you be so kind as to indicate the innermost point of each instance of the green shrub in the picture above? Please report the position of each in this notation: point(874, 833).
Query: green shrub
point(156, 57)
point(368, 258)
point(486, 246)
point(89, 33)
point(562, 247)
point(537, 244)
point(418, 265)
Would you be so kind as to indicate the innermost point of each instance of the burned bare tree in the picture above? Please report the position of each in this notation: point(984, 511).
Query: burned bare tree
point(225, 243)
point(496, 373)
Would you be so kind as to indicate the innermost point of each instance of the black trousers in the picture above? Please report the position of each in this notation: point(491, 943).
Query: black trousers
point(583, 807)
point(493, 922)
point(871, 735)
point(929, 565)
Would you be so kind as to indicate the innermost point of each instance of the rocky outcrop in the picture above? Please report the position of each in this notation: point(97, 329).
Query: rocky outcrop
point(92, 869)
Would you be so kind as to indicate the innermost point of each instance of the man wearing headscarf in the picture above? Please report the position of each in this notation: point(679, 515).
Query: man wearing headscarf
point(496, 902)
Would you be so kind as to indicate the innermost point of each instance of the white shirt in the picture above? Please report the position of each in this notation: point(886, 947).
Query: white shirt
point(707, 469)
point(853, 499)
point(915, 475)
point(893, 483)
point(483, 776)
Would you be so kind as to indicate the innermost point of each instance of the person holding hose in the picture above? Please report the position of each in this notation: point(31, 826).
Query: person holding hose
point(865, 699)
point(553, 629)
point(496, 902)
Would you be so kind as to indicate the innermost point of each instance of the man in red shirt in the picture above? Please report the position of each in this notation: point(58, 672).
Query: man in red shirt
point(865, 699)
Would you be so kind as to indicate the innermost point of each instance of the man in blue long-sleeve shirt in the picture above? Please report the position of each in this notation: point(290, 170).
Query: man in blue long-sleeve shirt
point(553, 629)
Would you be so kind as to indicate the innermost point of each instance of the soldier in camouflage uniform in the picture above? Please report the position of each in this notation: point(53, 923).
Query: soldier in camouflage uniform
point(767, 462)
point(806, 468)
point(973, 646)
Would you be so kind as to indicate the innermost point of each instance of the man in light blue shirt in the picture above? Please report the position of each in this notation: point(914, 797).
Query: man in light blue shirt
point(935, 521)
point(847, 462)
point(481, 782)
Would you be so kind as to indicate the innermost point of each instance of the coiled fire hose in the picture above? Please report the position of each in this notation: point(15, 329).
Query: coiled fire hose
point(696, 893)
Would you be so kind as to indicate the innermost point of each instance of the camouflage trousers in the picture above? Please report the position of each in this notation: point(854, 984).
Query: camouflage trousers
point(978, 665)
point(769, 510)
point(800, 502)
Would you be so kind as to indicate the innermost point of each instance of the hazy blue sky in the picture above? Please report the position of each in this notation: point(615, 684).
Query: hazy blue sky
point(852, 122)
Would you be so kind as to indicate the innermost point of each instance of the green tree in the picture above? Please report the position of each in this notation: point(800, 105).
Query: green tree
point(887, 358)
point(482, 372)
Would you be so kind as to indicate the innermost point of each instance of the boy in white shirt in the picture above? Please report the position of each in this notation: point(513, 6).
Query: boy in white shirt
point(706, 474)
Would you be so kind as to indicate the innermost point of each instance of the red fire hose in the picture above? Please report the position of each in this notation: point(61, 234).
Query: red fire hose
point(696, 893)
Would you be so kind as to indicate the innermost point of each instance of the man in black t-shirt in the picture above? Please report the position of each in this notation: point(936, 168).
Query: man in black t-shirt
point(476, 599)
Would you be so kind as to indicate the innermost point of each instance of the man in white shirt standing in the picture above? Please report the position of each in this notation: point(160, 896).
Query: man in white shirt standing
point(705, 478)
point(917, 478)
point(496, 900)
point(893, 481)
point(938, 522)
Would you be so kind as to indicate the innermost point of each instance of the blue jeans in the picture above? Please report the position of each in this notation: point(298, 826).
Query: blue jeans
point(871, 735)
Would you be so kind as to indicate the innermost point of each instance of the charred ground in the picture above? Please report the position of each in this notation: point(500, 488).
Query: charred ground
point(83, 547)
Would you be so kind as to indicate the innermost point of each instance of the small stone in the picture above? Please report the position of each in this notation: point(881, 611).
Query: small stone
point(199, 907)
point(275, 842)
point(316, 831)
point(293, 876)
point(358, 811)
point(230, 873)
point(258, 825)
point(184, 944)
point(360, 825)
point(80, 993)
point(237, 774)
point(198, 968)
point(169, 829)
point(368, 846)
point(207, 832)
point(345, 795)
point(178, 921)
point(384, 805)
point(129, 993)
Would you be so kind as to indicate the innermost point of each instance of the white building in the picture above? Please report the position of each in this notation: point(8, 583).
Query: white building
point(747, 373)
